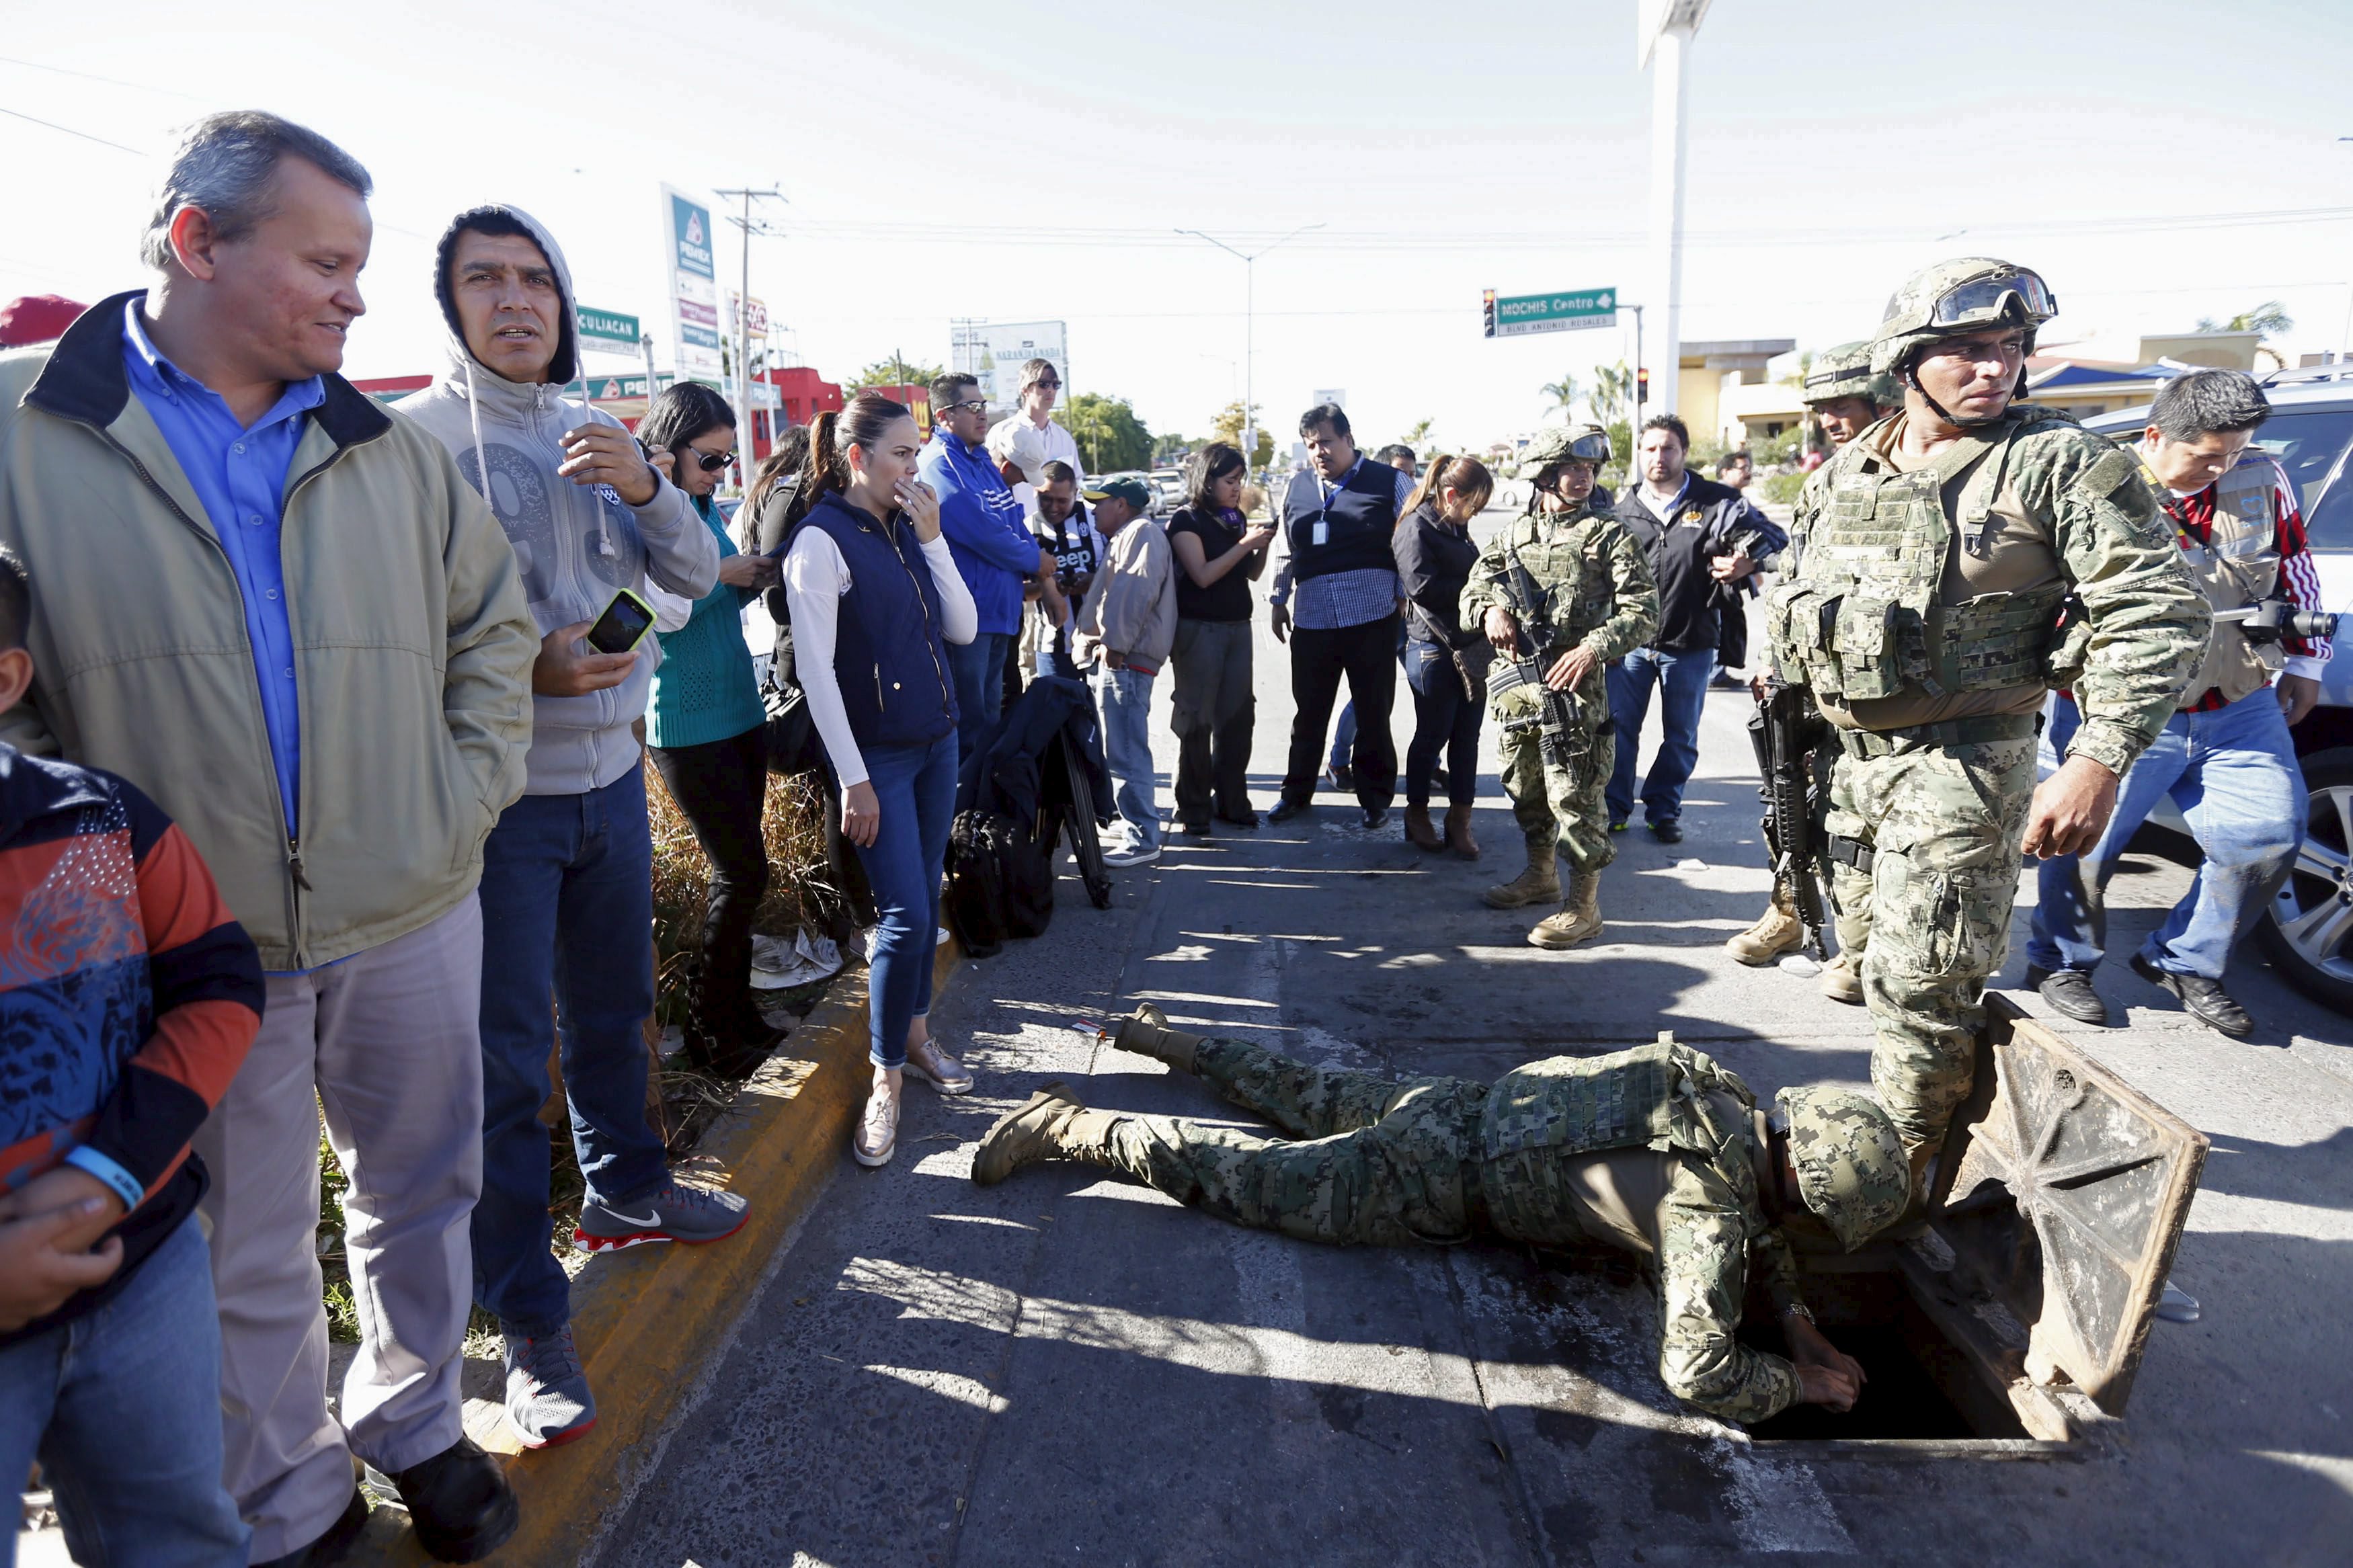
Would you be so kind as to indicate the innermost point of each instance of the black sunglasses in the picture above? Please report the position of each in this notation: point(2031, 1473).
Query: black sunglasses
point(977, 404)
point(711, 461)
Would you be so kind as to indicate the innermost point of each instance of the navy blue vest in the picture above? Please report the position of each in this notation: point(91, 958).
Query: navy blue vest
point(1361, 516)
point(889, 658)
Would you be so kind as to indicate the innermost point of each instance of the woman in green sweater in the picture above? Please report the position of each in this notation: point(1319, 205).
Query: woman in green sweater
point(708, 732)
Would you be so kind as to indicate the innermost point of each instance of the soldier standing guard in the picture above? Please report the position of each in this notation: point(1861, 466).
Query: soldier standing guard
point(1561, 591)
point(1937, 552)
point(1847, 396)
point(1657, 1150)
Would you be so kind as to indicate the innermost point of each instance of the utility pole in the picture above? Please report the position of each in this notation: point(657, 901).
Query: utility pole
point(1662, 42)
point(1250, 330)
point(746, 439)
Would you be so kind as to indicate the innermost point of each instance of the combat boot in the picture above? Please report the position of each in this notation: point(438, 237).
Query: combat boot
point(1539, 884)
point(1146, 1033)
point(1776, 932)
point(1418, 830)
point(1458, 833)
point(1841, 981)
point(1054, 1125)
point(1579, 919)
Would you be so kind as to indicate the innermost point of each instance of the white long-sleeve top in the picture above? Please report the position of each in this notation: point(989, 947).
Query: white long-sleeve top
point(815, 577)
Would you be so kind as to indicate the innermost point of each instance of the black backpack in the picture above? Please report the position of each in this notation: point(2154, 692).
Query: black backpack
point(1001, 880)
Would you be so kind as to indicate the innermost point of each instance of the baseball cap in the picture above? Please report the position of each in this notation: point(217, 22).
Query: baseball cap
point(1131, 491)
point(1018, 442)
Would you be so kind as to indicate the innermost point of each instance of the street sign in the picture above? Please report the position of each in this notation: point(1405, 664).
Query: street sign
point(615, 389)
point(1337, 397)
point(693, 285)
point(609, 332)
point(994, 351)
point(1517, 315)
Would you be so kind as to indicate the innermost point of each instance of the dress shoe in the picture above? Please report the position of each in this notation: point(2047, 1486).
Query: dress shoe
point(2069, 994)
point(1375, 817)
point(1285, 810)
point(2203, 999)
point(1246, 820)
point(1670, 831)
point(458, 1502)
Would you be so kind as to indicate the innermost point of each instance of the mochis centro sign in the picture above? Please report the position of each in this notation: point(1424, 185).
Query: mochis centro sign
point(1517, 315)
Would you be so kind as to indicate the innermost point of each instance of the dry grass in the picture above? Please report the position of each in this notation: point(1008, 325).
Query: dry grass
point(800, 893)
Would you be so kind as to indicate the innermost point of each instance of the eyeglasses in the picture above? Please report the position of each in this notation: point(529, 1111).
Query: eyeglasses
point(711, 461)
point(976, 405)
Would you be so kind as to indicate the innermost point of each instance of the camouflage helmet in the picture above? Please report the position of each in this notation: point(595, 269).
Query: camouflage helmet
point(1850, 1163)
point(1572, 443)
point(1845, 371)
point(1966, 294)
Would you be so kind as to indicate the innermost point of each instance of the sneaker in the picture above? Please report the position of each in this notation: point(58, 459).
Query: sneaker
point(1340, 778)
point(2203, 999)
point(548, 1400)
point(1132, 854)
point(928, 1064)
point(1617, 827)
point(2069, 994)
point(672, 1212)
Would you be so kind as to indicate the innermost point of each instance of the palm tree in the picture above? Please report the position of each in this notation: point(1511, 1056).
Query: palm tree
point(1613, 389)
point(2268, 318)
point(1564, 394)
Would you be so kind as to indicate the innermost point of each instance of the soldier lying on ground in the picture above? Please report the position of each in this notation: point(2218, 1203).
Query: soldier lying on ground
point(1657, 1150)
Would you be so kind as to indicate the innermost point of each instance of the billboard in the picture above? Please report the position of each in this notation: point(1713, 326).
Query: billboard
point(693, 286)
point(994, 351)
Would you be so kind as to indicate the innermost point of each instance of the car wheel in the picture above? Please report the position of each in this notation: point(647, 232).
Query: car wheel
point(2309, 931)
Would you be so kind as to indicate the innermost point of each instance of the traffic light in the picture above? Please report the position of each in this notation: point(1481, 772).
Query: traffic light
point(1642, 385)
point(1490, 310)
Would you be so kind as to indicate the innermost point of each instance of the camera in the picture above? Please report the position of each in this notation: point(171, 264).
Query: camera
point(2277, 618)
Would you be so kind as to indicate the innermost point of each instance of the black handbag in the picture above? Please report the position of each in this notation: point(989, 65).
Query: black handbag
point(794, 745)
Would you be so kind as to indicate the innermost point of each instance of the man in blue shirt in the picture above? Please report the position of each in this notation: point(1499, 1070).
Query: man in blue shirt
point(992, 545)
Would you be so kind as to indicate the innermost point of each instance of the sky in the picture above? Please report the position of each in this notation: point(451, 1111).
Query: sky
point(1022, 162)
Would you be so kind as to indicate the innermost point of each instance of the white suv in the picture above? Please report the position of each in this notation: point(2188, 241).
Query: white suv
point(2309, 931)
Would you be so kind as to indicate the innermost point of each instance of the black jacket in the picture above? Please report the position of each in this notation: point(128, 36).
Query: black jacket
point(1434, 562)
point(1710, 520)
point(1007, 772)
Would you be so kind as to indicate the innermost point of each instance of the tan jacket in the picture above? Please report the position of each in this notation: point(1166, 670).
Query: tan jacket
point(413, 647)
point(1129, 610)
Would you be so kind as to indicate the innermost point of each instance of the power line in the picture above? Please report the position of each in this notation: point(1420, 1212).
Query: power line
point(69, 131)
point(108, 81)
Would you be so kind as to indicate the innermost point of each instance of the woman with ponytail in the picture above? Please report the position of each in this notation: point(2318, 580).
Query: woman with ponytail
point(1445, 665)
point(875, 600)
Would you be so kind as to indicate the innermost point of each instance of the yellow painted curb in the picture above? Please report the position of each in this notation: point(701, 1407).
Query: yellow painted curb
point(645, 1319)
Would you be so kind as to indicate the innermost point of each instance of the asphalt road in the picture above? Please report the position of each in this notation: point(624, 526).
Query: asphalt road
point(1070, 1368)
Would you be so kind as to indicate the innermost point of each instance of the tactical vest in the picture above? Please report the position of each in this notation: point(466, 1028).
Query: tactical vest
point(1653, 1097)
point(2239, 565)
point(1579, 591)
point(1863, 615)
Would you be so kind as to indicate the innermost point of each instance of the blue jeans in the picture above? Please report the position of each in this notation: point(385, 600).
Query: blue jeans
point(1125, 698)
point(1444, 721)
point(567, 910)
point(1681, 676)
point(122, 1406)
point(978, 669)
point(2233, 773)
point(914, 789)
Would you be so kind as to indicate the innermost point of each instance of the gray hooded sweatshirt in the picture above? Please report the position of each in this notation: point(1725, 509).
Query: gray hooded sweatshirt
point(575, 545)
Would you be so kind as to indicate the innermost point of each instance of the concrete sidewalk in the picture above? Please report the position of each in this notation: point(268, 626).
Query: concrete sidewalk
point(1069, 1367)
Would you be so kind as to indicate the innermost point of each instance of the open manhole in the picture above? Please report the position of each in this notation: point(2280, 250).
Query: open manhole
point(2010, 1327)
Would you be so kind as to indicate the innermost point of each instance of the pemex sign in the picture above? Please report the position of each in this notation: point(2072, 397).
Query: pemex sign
point(1568, 310)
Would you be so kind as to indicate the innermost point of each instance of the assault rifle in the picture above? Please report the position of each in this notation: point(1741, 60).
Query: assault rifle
point(1785, 729)
point(1562, 734)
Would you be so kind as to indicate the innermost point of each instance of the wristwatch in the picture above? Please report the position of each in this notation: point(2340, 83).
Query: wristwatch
point(1798, 1310)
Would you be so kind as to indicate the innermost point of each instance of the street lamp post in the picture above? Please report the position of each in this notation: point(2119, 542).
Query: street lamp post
point(1665, 29)
point(1249, 329)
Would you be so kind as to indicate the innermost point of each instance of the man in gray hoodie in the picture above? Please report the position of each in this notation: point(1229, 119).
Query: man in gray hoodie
point(568, 897)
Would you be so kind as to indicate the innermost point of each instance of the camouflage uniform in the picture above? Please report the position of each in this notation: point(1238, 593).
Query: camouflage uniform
point(1443, 1159)
point(1599, 595)
point(1922, 612)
